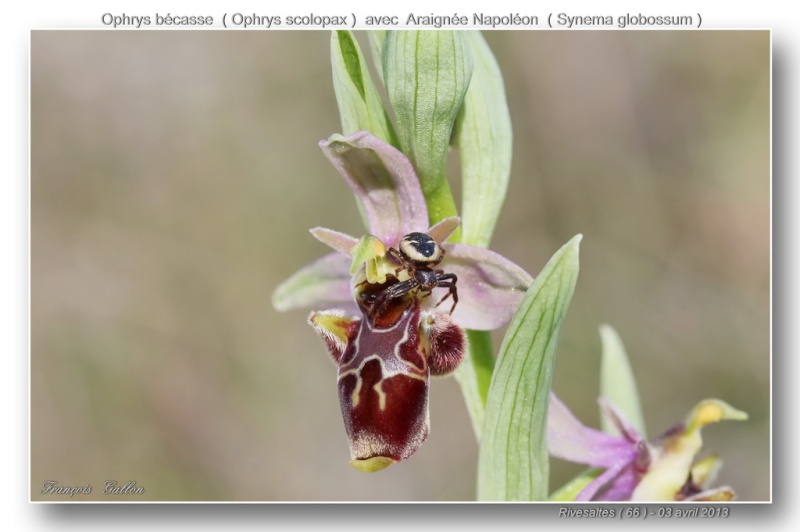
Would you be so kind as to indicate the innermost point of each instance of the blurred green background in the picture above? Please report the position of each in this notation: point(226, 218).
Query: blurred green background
point(174, 176)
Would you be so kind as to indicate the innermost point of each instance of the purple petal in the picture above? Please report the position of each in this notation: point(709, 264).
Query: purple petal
point(324, 283)
point(617, 418)
point(569, 439)
point(490, 287)
point(341, 242)
point(442, 230)
point(614, 484)
point(384, 181)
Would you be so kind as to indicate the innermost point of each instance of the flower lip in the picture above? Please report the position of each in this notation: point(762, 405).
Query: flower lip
point(371, 465)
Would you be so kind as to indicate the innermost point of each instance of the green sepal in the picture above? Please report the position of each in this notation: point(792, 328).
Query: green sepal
point(376, 40)
point(360, 105)
point(484, 139)
point(618, 384)
point(427, 74)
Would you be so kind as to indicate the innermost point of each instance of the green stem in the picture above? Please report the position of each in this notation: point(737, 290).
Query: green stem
point(474, 376)
point(441, 205)
point(475, 372)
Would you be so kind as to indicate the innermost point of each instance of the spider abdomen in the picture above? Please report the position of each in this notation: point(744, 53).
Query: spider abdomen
point(420, 248)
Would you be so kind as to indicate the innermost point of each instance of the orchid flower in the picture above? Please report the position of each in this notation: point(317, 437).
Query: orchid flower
point(635, 469)
point(384, 182)
point(384, 360)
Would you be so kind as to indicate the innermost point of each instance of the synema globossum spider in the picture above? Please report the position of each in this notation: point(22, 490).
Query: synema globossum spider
point(417, 254)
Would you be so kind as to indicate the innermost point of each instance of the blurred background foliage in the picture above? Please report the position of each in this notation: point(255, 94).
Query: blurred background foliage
point(174, 176)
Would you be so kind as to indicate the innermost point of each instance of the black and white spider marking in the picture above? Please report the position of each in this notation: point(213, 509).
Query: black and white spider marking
point(418, 254)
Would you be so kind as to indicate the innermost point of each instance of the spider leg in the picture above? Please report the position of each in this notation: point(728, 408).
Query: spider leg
point(390, 293)
point(395, 255)
point(448, 280)
point(397, 258)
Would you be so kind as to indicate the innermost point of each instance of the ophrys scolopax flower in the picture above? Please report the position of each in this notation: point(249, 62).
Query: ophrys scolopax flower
point(381, 322)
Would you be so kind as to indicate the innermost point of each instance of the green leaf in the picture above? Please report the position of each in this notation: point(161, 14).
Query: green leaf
point(484, 139)
point(617, 382)
point(513, 463)
point(360, 105)
point(426, 75)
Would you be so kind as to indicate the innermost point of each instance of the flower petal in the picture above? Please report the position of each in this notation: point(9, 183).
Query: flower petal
point(678, 446)
point(615, 418)
point(705, 470)
point(569, 439)
point(341, 242)
point(615, 484)
point(442, 230)
point(384, 181)
point(712, 411)
point(621, 487)
point(383, 392)
point(617, 382)
point(703, 473)
point(336, 328)
point(324, 283)
point(490, 287)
